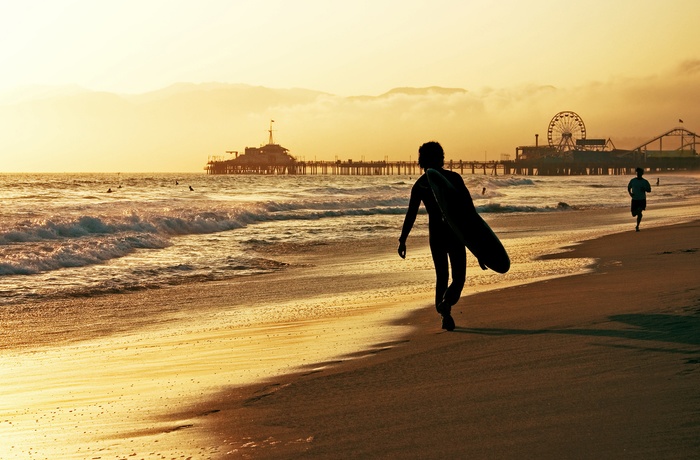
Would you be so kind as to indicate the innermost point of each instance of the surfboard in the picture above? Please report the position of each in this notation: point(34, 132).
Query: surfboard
point(467, 224)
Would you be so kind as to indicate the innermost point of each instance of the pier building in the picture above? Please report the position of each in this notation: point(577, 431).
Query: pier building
point(567, 151)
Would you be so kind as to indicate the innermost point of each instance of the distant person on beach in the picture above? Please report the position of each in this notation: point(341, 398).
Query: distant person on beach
point(444, 244)
point(483, 191)
point(657, 181)
point(191, 189)
point(638, 188)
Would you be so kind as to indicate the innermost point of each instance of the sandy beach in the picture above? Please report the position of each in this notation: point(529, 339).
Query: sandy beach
point(352, 363)
point(599, 365)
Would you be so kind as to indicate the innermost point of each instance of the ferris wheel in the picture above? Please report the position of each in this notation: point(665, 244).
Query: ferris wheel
point(564, 130)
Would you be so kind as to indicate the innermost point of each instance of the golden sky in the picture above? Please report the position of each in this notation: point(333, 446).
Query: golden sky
point(520, 63)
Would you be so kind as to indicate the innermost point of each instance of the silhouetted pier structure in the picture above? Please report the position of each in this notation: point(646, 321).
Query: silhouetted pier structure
point(354, 168)
point(566, 157)
point(607, 168)
point(539, 167)
point(569, 156)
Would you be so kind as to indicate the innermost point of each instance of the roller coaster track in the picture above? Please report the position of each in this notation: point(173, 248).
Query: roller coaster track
point(688, 139)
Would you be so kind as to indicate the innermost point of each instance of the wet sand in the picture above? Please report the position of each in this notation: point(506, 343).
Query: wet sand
point(603, 364)
point(598, 365)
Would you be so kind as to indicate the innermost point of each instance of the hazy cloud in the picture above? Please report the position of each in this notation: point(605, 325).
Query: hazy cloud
point(178, 128)
point(689, 67)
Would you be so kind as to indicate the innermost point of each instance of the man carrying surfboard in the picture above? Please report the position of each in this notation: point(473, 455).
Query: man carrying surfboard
point(446, 248)
point(638, 188)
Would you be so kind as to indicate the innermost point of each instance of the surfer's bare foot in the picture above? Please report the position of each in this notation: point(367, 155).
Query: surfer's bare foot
point(448, 323)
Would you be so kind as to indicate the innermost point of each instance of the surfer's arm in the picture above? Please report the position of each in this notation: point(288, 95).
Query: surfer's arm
point(402, 249)
point(407, 226)
point(409, 220)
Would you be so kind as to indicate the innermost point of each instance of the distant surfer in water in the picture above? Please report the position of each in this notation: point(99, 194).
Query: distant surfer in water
point(638, 188)
point(444, 244)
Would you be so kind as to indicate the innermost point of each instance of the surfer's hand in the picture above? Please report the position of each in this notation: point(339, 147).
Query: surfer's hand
point(402, 250)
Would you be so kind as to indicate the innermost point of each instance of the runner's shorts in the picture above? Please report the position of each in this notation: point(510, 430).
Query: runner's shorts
point(637, 206)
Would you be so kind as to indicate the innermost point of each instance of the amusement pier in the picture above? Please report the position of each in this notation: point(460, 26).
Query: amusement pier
point(567, 151)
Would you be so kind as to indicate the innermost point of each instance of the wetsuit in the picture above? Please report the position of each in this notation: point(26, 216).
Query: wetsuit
point(444, 245)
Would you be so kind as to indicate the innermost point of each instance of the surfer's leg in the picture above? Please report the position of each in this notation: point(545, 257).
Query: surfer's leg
point(441, 273)
point(458, 262)
point(439, 252)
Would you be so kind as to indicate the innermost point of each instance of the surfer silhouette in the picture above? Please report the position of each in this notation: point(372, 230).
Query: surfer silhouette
point(638, 188)
point(447, 250)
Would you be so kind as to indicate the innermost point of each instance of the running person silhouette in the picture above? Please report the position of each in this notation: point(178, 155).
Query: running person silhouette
point(638, 188)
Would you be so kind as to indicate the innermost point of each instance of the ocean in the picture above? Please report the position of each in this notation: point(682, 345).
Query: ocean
point(66, 236)
point(121, 311)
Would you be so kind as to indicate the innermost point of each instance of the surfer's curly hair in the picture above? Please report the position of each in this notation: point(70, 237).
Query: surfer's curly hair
point(431, 155)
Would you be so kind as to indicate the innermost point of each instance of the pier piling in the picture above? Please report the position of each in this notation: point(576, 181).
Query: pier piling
point(493, 168)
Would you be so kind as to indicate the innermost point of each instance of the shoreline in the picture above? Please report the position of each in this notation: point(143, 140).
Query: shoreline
point(525, 374)
point(158, 389)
